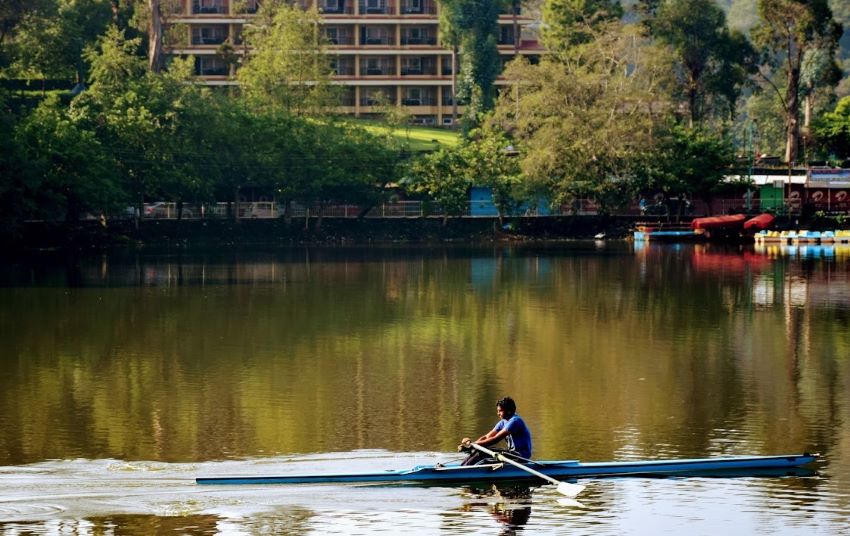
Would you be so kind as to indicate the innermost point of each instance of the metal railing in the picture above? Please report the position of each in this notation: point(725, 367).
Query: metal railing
point(421, 209)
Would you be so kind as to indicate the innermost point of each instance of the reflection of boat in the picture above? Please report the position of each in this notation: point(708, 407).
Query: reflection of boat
point(705, 261)
point(454, 473)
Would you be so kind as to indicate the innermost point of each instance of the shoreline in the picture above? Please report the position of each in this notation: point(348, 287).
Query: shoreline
point(86, 235)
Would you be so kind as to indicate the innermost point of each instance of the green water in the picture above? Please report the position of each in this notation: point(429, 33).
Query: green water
point(611, 352)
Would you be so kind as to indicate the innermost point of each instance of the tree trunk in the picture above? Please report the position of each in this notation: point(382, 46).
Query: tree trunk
point(236, 205)
point(116, 8)
point(179, 209)
point(792, 111)
point(692, 104)
point(287, 212)
point(155, 37)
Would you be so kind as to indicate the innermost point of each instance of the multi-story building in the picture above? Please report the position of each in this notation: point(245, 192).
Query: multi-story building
point(384, 50)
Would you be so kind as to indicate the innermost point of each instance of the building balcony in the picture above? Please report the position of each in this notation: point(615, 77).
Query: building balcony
point(420, 41)
point(377, 36)
point(210, 7)
point(336, 7)
point(418, 7)
point(209, 35)
point(377, 7)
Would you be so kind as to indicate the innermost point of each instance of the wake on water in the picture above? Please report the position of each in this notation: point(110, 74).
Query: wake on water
point(95, 488)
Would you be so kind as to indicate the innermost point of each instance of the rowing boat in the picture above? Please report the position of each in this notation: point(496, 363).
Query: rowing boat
point(454, 473)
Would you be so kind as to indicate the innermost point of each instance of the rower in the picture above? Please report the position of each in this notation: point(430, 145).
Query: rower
point(510, 427)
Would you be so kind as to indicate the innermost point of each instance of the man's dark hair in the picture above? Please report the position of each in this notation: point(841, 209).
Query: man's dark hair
point(507, 404)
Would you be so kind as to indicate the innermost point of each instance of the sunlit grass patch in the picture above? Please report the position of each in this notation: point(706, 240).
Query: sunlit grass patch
point(419, 138)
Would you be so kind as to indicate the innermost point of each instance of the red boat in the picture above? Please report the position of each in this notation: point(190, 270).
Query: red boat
point(759, 223)
point(719, 222)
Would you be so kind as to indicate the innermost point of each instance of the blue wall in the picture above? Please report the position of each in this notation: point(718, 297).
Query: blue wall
point(481, 204)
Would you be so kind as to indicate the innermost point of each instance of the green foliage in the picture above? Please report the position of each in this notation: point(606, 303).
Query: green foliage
point(491, 160)
point(443, 177)
point(692, 161)
point(288, 67)
point(472, 26)
point(586, 118)
point(568, 23)
point(787, 30)
point(70, 169)
point(711, 60)
point(832, 131)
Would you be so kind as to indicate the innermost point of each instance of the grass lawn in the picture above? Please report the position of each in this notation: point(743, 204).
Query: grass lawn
point(420, 138)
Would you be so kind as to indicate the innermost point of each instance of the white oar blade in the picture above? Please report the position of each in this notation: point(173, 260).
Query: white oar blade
point(570, 503)
point(570, 490)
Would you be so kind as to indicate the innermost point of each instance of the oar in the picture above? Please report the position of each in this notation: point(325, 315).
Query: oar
point(564, 488)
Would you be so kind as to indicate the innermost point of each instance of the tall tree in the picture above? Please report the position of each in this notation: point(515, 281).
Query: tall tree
point(450, 37)
point(53, 44)
point(73, 168)
point(12, 14)
point(786, 31)
point(587, 117)
point(473, 27)
point(567, 23)
point(697, 32)
point(288, 67)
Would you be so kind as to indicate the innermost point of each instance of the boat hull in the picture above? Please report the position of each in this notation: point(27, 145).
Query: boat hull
point(566, 469)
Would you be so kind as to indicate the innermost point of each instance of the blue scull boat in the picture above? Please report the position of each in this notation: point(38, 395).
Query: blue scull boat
point(565, 469)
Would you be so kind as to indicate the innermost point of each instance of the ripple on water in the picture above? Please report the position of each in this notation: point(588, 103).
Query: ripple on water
point(79, 490)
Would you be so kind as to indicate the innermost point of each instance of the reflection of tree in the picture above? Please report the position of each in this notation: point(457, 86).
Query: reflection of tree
point(607, 355)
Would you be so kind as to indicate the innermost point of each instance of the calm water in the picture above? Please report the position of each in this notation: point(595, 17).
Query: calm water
point(125, 376)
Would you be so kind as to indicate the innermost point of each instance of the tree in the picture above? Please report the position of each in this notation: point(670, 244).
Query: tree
point(442, 176)
point(53, 44)
point(73, 169)
point(587, 117)
point(692, 161)
point(19, 186)
point(697, 32)
point(471, 28)
point(288, 67)
point(12, 14)
point(568, 23)
point(141, 117)
point(491, 160)
point(786, 31)
point(832, 131)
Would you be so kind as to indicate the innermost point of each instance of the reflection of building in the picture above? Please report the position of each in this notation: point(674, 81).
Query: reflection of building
point(384, 50)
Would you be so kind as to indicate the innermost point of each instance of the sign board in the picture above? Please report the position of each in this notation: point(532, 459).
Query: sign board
point(829, 177)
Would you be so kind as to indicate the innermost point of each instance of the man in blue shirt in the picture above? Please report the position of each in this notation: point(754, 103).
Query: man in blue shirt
point(510, 427)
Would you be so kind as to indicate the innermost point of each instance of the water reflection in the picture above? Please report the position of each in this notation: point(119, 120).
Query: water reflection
point(611, 353)
point(509, 505)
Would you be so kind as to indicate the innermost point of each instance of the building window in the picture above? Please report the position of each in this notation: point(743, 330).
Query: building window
point(411, 66)
point(332, 35)
point(209, 35)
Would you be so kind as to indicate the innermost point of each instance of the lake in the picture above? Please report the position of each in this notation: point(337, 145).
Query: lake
point(126, 375)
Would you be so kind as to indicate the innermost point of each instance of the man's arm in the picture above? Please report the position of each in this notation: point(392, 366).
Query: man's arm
point(493, 436)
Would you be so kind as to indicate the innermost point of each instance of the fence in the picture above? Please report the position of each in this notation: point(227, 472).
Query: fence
point(421, 209)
